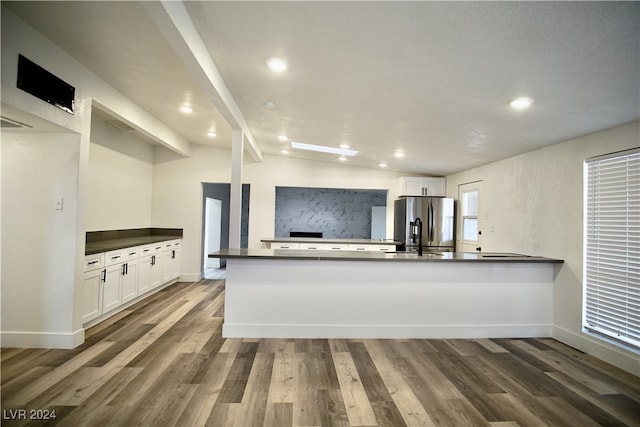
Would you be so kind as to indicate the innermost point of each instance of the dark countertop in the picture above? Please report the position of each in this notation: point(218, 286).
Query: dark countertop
point(103, 241)
point(328, 240)
point(127, 242)
point(293, 254)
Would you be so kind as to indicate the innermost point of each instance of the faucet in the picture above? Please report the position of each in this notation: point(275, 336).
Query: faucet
point(417, 224)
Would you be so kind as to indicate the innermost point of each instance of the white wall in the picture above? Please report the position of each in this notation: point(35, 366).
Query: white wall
point(44, 310)
point(534, 202)
point(120, 179)
point(38, 243)
point(177, 192)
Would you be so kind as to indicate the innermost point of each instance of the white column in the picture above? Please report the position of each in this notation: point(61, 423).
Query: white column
point(235, 204)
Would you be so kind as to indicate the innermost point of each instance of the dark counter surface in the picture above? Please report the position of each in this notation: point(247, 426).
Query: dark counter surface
point(301, 254)
point(103, 241)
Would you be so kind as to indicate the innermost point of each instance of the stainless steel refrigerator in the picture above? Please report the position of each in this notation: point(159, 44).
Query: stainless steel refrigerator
point(438, 217)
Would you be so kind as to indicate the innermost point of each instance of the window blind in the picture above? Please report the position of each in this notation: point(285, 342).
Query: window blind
point(612, 249)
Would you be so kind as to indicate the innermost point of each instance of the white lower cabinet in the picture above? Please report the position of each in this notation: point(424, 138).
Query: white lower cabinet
point(112, 288)
point(170, 261)
point(130, 280)
point(114, 278)
point(92, 293)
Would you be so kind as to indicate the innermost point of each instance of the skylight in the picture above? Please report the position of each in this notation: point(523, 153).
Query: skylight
point(323, 149)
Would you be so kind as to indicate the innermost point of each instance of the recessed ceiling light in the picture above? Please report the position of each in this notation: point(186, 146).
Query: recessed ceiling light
point(345, 146)
point(212, 134)
point(284, 151)
point(186, 109)
point(276, 64)
point(398, 154)
point(323, 149)
point(521, 103)
point(382, 165)
point(342, 158)
point(283, 138)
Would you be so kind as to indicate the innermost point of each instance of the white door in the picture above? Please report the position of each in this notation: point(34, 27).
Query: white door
point(469, 218)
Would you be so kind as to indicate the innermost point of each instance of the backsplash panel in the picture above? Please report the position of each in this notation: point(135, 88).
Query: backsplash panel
point(336, 212)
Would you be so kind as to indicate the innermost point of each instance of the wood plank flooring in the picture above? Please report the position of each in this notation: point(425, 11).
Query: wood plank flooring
point(163, 362)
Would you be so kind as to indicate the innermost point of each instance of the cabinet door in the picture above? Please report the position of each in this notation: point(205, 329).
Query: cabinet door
point(144, 274)
point(156, 270)
point(169, 265)
point(411, 186)
point(112, 289)
point(92, 294)
point(435, 186)
point(130, 280)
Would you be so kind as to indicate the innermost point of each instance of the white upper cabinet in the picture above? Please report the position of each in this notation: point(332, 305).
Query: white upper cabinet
point(422, 186)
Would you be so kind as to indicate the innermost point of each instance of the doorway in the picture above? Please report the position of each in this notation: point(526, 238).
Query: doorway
point(470, 221)
point(215, 225)
point(212, 231)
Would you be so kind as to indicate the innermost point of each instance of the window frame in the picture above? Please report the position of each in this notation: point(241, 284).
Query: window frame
point(611, 251)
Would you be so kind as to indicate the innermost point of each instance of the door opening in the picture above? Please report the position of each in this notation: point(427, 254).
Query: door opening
point(212, 231)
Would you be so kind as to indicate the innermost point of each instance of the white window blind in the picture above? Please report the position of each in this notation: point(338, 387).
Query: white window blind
point(612, 255)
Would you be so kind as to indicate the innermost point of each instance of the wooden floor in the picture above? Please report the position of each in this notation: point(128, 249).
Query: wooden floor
point(164, 362)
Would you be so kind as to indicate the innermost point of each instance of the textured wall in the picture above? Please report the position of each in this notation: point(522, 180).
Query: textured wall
point(337, 213)
point(533, 204)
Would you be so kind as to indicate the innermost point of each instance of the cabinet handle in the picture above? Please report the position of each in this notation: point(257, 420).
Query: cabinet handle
point(115, 257)
point(126, 269)
point(122, 272)
point(104, 275)
point(173, 254)
point(94, 262)
point(153, 260)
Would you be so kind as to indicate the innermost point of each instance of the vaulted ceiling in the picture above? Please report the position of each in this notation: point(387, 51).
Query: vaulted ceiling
point(431, 80)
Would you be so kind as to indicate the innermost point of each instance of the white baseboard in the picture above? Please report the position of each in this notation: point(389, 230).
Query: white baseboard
point(617, 356)
point(23, 339)
point(192, 277)
point(244, 330)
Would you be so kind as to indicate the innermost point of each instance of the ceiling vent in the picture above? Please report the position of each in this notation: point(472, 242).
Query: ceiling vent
point(8, 123)
point(120, 125)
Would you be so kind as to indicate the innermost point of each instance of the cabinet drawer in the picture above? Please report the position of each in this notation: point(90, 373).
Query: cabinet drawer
point(281, 245)
point(336, 246)
point(131, 253)
point(113, 257)
point(383, 248)
point(360, 248)
point(312, 246)
point(93, 262)
point(147, 250)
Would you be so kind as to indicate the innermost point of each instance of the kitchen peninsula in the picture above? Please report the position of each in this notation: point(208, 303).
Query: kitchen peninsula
point(272, 293)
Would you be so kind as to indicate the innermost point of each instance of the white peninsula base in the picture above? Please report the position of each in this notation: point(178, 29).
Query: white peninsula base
point(324, 298)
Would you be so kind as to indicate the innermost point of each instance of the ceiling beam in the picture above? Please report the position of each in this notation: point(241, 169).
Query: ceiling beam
point(174, 22)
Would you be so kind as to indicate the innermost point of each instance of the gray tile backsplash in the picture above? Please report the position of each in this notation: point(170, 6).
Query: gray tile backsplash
point(337, 213)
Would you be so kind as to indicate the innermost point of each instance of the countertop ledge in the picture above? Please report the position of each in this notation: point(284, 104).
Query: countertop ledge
point(320, 255)
point(329, 240)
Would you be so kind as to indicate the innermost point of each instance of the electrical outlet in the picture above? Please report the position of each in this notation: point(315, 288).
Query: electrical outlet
point(59, 204)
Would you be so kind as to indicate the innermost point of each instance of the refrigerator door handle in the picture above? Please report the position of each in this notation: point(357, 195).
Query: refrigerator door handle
point(431, 222)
